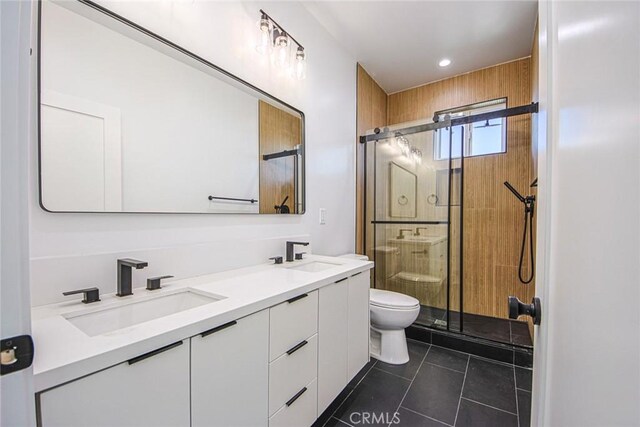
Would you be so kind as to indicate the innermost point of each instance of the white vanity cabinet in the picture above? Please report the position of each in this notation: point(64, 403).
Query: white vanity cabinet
point(343, 330)
point(358, 324)
point(230, 373)
point(333, 316)
point(150, 390)
point(281, 366)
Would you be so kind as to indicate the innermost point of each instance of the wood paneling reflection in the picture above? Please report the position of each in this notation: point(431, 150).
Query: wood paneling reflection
point(279, 131)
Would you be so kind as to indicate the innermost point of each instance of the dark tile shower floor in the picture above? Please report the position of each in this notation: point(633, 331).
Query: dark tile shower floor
point(491, 328)
point(438, 387)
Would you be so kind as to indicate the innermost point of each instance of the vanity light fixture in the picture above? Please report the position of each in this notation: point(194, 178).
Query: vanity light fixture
point(275, 40)
point(444, 62)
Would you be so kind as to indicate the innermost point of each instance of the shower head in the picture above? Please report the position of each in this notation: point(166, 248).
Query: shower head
point(514, 191)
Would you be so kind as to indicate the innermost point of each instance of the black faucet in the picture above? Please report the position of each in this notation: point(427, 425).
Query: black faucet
point(401, 235)
point(290, 246)
point(124, 274)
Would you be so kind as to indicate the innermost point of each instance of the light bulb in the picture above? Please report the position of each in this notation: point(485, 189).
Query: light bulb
point(282, 49)
point(301, 64)
point(416, 155)
point(264, 40)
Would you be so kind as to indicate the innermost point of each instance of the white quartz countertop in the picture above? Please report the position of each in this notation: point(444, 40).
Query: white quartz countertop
point(64, 353)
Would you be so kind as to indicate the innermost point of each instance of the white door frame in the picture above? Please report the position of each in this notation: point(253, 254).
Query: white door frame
point(17, 403)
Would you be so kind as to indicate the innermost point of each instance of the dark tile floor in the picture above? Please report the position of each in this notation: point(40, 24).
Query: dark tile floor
point(438, 387)
point(492, 328)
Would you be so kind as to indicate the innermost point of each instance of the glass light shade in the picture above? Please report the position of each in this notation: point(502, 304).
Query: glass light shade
point(300, 70)
point(281, 47)
point(264, 35)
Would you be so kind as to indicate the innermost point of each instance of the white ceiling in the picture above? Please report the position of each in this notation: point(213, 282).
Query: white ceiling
point(401, 42)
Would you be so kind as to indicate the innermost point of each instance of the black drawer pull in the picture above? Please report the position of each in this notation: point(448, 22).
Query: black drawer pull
point(341, 280)
point(153, 353)
point(294, 398)
point(356, 274)
point(297, 347)
point(294, 299)
point(218, 328)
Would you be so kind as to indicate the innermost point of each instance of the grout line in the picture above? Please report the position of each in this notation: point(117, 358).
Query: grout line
point(445, 367)
point(339, 420)
point(464, 380)
point(489, 406)
point(349, 394)
point(411, 383)
point(523, 389)
point(426, 416)
point(515, 386)
point(510, 334)
point(391, 373)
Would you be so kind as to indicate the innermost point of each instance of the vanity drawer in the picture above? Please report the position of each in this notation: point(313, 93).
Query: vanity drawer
point(291, 322)
point(300, 412)
point(289, 373)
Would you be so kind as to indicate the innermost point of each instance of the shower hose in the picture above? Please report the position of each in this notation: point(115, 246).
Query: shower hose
point(528, 218)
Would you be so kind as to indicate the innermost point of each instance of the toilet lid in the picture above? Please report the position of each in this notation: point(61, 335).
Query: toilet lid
point(389, 299)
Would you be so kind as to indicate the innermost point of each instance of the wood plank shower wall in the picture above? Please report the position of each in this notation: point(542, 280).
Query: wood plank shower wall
point(493, 218)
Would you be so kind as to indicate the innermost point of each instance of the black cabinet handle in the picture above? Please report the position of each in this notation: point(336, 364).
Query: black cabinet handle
point(341, 280)
point(354, 275)
point(294, 398)
point(218, 328)
point(294, 299)
point(154, 352)
point(297, 347)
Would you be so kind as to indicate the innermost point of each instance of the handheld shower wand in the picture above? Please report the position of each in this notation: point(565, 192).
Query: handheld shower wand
point(529, 204)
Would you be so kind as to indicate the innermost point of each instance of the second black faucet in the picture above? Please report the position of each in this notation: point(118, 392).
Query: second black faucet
point(290, 246)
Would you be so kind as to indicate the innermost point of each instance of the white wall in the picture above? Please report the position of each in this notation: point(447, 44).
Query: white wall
point(224, 33)
point(185, 134)
point(587, 353)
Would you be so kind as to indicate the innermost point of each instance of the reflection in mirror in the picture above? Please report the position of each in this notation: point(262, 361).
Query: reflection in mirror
point(132, 123)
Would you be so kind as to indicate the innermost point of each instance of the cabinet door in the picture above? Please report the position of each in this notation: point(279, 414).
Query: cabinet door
point(230, 374)
point(358, 325)
point(151, 390)
point(332, 342)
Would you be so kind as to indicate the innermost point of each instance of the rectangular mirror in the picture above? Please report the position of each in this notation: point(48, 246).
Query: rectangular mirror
point(132, 123)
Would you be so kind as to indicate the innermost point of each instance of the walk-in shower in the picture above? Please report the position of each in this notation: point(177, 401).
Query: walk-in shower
point(439, 224)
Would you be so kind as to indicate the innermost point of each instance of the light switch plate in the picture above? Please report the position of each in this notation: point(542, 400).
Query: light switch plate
point(323, 216)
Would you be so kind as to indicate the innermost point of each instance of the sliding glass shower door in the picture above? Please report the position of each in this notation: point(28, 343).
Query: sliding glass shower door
point(407, 222)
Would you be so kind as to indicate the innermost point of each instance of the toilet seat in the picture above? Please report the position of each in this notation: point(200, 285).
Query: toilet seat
point(392, 300)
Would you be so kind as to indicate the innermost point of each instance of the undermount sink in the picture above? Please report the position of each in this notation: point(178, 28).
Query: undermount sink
point(314, 267)
point(134, 312)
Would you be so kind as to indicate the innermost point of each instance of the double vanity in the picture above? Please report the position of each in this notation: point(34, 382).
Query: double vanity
point(272, 344)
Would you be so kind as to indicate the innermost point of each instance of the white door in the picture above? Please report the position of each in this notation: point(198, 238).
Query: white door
point(230, 374)
point(587, 349)
point(358, 324)
point(149, 390)
point(333, 315)
point(17, 406)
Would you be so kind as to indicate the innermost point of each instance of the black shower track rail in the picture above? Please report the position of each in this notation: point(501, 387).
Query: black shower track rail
point(507, 112)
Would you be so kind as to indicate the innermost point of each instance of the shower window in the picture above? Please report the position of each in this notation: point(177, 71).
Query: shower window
point(480, 138)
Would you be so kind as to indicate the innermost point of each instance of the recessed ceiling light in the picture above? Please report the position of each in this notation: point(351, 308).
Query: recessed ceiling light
point(444, 62)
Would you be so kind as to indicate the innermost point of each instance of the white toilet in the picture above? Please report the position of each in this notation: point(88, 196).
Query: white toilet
point(391, 313)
